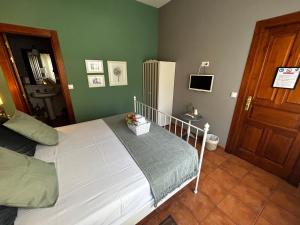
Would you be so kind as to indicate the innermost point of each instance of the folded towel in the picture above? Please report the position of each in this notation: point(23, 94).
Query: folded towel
point(139, 123)
point(140, 119)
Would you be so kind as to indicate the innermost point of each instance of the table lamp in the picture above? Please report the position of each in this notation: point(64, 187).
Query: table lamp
point(2, 110)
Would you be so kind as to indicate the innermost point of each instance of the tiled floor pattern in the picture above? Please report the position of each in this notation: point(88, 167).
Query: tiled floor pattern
point(232, 191)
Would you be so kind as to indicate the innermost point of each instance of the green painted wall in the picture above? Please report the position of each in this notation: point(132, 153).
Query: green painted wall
point(120, 30)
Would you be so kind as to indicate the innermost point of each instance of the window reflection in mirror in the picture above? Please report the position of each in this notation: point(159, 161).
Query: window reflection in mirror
point(41, 66)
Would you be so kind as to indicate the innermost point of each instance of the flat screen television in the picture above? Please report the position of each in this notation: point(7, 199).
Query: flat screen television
point(200, 82)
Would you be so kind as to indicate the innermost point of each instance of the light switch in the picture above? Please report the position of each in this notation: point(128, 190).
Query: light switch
point(70, 86)
point(233, 94)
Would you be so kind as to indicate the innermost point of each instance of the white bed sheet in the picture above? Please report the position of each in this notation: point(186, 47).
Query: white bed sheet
point(99, 182)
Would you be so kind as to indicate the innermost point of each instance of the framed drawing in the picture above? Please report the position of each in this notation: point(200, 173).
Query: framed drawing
point(117, 73)
point(94, 66)
point(286, 77)
point(96, 81)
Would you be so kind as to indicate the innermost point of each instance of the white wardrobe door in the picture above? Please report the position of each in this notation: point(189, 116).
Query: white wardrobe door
point(166, 86)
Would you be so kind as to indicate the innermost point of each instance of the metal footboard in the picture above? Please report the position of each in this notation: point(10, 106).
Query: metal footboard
point(166, 121)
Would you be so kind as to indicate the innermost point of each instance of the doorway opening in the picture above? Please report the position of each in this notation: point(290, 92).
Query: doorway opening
point(33, 66)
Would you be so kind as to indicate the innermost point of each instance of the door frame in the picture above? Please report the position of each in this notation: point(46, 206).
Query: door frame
point(10, 74)
point(294, 178)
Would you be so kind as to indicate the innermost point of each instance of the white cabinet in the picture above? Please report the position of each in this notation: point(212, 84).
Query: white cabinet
point(158, 85)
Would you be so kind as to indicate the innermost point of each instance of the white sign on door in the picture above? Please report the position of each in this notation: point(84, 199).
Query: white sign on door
point(286, 77)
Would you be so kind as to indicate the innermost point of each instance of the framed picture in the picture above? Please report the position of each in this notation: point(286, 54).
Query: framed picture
point(286, 77)
point(96, 81)
point(117, 73)
point(94, 66)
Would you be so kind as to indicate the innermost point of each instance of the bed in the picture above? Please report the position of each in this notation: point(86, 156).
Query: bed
point(99, 181)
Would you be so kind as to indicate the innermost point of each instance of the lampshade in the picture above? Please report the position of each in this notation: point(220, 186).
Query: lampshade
point(1, 102)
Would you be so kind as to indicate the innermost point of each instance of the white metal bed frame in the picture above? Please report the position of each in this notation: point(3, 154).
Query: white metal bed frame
point(160, 118)
point(166, 121)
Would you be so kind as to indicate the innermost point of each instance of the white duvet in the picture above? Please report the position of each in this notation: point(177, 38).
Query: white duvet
point(99, 182)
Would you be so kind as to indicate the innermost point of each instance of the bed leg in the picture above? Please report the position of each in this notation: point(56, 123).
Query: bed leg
point(206, 128)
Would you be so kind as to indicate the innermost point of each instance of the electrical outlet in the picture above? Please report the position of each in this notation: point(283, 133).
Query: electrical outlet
point(205, 64)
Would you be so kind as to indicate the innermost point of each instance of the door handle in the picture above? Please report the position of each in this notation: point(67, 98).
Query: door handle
point(248, 103)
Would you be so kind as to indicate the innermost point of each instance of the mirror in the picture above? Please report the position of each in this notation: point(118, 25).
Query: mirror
point(41, 66)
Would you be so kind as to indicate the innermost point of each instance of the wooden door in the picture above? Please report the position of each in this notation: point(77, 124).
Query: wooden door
point(268, 132)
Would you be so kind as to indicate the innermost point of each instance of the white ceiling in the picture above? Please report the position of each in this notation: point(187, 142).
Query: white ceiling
point(154, 3)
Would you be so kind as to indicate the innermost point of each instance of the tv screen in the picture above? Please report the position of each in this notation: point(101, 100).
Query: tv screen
point(201, 82)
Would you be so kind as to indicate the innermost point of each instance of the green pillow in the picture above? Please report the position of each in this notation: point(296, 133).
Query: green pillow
point(32, 129)
point(26, 181)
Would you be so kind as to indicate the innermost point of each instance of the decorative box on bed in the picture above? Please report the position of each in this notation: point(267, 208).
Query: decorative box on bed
point(140, 129)
point(137, 124)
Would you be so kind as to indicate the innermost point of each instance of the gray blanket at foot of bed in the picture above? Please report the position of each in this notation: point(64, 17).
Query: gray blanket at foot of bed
point(166, 160)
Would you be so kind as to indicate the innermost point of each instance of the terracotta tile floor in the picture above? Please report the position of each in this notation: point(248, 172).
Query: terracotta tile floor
point(232, 192)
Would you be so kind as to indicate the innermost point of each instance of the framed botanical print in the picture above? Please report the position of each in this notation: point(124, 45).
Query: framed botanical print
point(117, 73)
